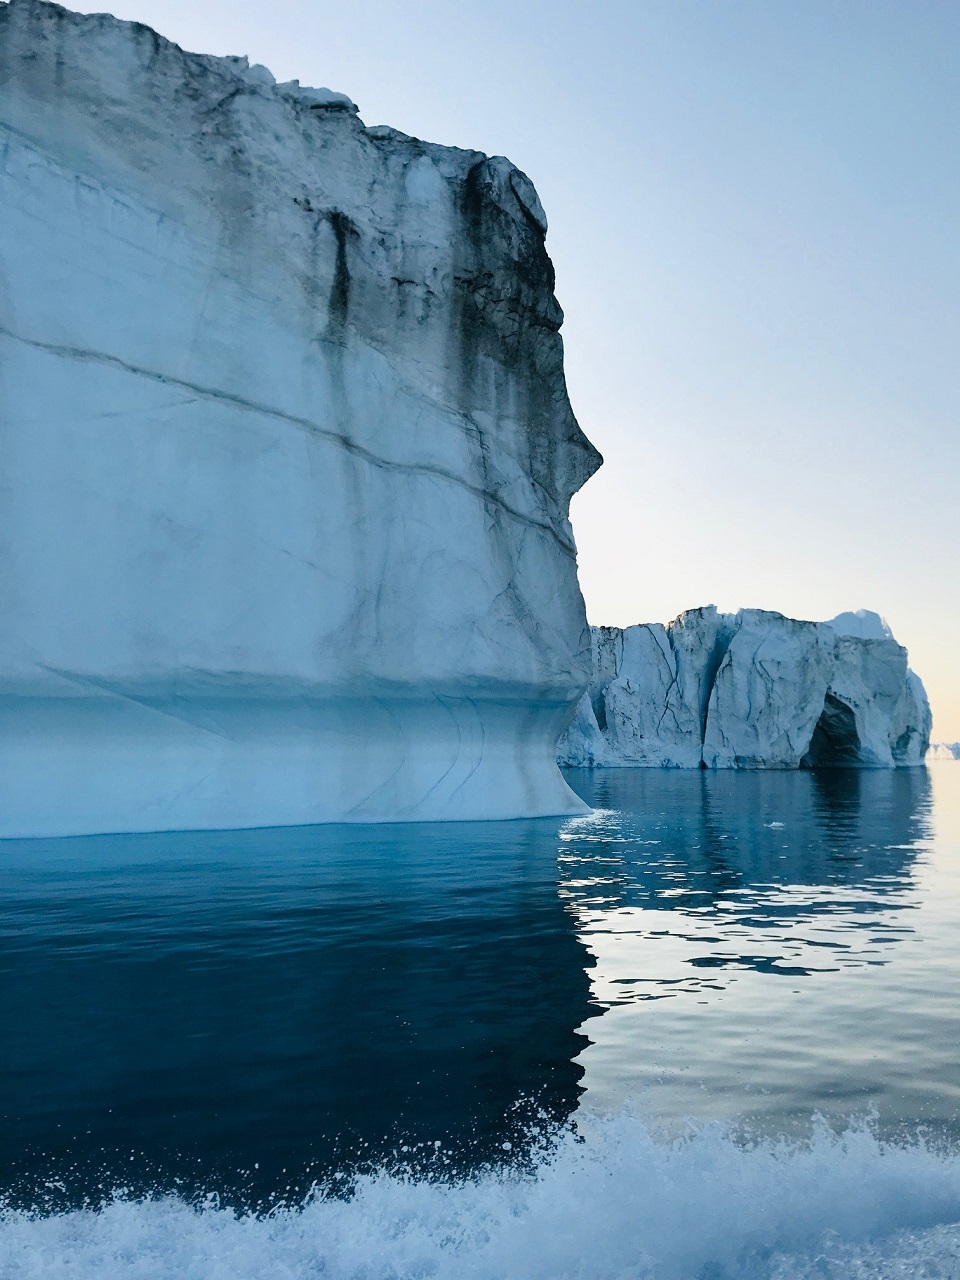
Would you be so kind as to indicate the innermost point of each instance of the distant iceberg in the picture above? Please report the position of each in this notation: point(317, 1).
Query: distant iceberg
point(751, 690)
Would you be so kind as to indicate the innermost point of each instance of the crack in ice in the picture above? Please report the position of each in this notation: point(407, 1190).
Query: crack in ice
point(86, 355)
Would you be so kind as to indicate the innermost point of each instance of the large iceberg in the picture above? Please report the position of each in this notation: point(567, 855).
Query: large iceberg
point(287, 451)
point(751, 690)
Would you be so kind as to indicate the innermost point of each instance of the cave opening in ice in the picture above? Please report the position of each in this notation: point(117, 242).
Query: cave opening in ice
point(835, 739)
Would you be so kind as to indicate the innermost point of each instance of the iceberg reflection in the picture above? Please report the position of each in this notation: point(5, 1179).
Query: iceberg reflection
point(246, 1011)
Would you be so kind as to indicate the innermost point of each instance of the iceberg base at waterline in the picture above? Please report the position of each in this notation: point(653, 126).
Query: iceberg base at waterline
point(150, 764)
point(751, 690)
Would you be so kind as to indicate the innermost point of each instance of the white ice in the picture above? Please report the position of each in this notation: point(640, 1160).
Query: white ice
point(287, 455)
point(751, 690)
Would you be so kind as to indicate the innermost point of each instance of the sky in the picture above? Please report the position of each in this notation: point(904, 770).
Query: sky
point(754, 211)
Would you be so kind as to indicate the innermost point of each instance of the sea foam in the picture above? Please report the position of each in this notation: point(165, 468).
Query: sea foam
point(615, 1201)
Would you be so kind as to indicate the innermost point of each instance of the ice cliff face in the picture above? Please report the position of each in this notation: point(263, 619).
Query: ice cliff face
point(752, 690)
point(287, 454)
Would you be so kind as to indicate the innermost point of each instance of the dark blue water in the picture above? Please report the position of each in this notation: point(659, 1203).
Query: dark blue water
point(523, 1015)
point(251, 1011)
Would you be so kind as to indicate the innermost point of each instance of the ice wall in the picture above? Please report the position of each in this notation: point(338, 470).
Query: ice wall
point(287, 454)
point(751, 690)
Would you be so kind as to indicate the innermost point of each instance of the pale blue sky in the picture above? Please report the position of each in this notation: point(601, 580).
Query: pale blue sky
point(755, 217)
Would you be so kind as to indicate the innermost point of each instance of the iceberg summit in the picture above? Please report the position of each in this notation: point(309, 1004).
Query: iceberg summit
point(751, 690)
point(288, 454)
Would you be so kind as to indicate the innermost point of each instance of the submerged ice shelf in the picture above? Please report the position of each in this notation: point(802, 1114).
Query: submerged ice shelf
point(288, 454)
point(751, 690)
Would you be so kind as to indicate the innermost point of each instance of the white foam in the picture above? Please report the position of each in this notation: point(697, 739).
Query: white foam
point(619, 1204)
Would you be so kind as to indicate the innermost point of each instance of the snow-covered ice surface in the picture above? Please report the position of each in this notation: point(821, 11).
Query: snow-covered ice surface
point(619, 1205)
point(751, 690)
point(862, 623)
point(287, 454)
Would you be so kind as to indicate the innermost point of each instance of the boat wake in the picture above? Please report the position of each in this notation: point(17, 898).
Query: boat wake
point(610, 1203)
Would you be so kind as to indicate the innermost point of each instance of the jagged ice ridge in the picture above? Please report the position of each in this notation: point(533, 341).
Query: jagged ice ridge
point(751, 690)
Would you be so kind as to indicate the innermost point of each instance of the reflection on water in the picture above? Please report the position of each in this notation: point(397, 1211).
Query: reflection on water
point(249, 1010)
point(789, 874)
point(767, 944)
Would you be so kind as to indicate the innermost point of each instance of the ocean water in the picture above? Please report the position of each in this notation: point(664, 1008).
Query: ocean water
point(710, 1030)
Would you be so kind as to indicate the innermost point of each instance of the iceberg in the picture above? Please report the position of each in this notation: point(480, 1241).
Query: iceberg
point(769, 693)
point(288, 454)
point(655, 707)
point(751, 690)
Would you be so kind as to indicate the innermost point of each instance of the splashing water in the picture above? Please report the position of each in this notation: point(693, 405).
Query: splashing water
point(613, 1203)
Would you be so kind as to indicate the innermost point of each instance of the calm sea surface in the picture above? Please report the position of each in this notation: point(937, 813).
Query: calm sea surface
point(594, 1047)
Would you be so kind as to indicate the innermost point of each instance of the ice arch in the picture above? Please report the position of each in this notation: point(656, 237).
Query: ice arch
point(835, 738)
